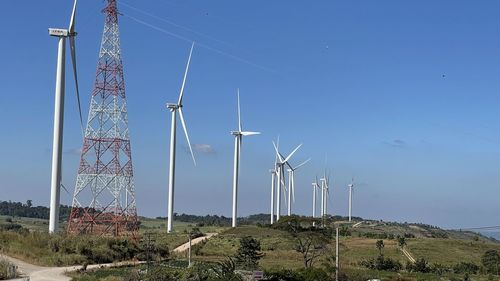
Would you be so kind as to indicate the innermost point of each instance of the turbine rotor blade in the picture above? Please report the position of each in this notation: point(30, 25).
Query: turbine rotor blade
point(187, 135)
point(293, 187)
point(302, 164)
point(277, 153)
point(73, 60)
point(185, 76)
point(239, 111)
point(71, 27)
point(295, 150)
point(250, 133)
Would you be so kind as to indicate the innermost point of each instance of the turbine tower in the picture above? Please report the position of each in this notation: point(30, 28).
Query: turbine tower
point(104, 197)
point(273, 182)
point(351, 188)
point(174, 108)
point(291, 184)
point(238, 136)
point(55, 184)
point(315, 187)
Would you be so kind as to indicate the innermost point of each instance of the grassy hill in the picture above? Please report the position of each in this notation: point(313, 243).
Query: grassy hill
point(437, 246)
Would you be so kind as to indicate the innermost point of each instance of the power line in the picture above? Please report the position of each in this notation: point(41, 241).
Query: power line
point(183, 38)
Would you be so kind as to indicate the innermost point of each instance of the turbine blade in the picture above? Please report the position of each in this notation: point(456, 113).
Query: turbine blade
point(250, 133)
point(71, 27)
point(295, 150)
point(65, 189)
point(302, 164)
point(277, 153)
point(73, 60)
point(278, 145)
point(185, 76)
point(186, 133)
point(293, 187)
point(284, 194)
point(240, 140)
point(239, 111)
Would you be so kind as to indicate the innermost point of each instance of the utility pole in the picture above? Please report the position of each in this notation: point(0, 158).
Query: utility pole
point(337, 264)
point(189, 251)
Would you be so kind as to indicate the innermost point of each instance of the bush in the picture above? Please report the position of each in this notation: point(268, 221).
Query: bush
point(420, 265)
point(7, 270)
point(307, 274)
point(491, 262)
point(466, 267)
point(382, 263)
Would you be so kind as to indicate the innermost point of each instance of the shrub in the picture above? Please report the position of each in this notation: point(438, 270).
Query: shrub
point(466, 267)
point(420, 265)
point(491, 262)
point(7, 270)
point(382, 263)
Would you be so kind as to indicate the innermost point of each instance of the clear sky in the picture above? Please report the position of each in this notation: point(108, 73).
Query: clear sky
point(402, 95)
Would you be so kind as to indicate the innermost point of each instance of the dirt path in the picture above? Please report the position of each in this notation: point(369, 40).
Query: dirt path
point(357, 224)
point(408, 255)
point(185, 246)
point(40, 273)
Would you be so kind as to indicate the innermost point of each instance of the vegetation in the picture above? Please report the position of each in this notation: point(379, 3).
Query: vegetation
point(18, 209)
point(292, 249)
point(248, 255)
point(491, 262)
point(7, 270)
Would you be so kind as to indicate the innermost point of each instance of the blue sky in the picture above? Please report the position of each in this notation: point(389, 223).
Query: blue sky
point(402, 95)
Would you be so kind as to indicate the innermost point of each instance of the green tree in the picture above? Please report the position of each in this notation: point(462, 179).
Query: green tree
point(248, 254)
point(380, 245)
point(401, 241)
point(491, 261)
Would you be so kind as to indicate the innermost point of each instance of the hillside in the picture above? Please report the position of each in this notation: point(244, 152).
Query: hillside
point(442, 250)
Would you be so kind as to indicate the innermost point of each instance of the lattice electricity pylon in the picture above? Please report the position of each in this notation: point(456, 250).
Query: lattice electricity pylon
point(104, 197)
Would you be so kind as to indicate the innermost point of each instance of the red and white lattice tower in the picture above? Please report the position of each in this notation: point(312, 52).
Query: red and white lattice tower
point(104, 198)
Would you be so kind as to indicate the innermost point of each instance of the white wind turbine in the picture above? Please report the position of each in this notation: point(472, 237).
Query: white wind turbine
point(55, 185)
point(273, 181)
point(325, 194)
point(174, 108)
point(315, 187)
point(238, 136)
point(291, 184)
point(351, 189)
point(280, 171)
point(274, 173)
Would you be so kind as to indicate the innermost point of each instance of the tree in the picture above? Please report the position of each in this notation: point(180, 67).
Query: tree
point(248, 254)
point(224, 271)
point(29, 203)
point(491, 262)
point(311, 245)
point(401, 242)
point(380, 245)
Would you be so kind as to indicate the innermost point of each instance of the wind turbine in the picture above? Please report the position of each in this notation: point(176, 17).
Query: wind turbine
point(273, 182)
point(274, 173)
point(238, 136)
point(351, 188)
point(281, 175)
point(315, 187)
point(291, 184)
point(174, 108)
point(326, 181)
point(55, 185)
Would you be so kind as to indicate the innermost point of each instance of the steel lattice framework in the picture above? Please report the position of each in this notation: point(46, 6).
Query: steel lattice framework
point(104, 197)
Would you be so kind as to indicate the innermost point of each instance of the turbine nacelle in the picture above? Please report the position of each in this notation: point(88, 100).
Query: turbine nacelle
point(173, 106)
point(59, 32)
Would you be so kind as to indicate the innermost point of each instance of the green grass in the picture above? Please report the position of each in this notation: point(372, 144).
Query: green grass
point(450, 251)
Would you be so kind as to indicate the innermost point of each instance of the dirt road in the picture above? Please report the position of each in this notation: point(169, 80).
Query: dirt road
point(185, 246)
point(40, 273)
